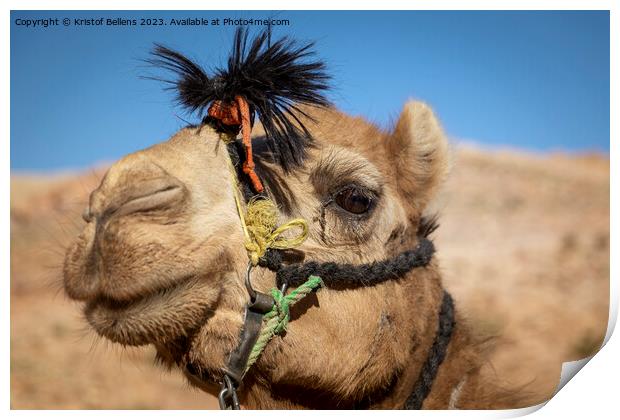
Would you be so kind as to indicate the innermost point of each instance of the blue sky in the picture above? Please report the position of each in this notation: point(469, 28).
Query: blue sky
point(531, 80)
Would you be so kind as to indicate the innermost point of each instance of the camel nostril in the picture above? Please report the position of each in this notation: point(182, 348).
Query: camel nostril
point(154, 196)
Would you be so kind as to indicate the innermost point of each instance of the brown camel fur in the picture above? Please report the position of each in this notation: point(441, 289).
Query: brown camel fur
point(161, 261)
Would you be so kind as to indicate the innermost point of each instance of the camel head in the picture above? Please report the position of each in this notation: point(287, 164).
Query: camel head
point(161, 259)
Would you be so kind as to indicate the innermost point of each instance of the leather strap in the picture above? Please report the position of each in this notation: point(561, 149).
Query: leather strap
point(252, 323)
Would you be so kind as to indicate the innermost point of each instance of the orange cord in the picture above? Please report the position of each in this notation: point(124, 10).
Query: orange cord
point(238, 113)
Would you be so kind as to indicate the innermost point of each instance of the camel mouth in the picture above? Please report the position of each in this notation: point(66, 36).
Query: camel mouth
point(113, 303)
point(162, 315)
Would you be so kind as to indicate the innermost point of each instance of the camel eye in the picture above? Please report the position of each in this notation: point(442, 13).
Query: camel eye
point(353, 200)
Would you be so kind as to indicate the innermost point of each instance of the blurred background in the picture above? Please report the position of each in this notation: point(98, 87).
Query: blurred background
point(524, 237)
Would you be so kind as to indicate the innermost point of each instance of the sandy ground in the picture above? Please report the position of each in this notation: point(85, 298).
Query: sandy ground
point(523, 244)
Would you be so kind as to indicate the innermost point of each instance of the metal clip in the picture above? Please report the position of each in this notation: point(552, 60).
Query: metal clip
point(248, 283)
point(228, 395)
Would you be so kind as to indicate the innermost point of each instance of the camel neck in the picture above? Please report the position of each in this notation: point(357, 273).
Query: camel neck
point(408, 388)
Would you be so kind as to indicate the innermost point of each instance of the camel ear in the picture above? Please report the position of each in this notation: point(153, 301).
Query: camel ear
point(419, 149)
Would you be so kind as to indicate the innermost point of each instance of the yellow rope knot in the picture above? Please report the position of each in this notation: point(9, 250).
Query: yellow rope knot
point(261, 220)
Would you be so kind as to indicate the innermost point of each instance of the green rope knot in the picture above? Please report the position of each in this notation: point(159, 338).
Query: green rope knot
point(276, 320)
point(282, 312)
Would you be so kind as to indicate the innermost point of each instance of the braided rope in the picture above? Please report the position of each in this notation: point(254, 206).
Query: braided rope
point(436, 355)
point(276, 320)
point(350, 275)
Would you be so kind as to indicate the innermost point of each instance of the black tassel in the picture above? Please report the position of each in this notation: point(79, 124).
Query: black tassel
point(274, 78)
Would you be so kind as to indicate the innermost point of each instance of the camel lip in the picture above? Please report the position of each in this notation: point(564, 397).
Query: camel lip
point(161, 315)
point(106, 302)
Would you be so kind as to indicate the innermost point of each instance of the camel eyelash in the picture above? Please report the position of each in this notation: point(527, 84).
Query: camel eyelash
point(363, 192)
point(349, 224)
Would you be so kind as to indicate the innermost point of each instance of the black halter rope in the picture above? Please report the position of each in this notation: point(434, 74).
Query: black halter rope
point(349, 275)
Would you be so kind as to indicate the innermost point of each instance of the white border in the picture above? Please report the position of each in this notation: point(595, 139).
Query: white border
point(595, 392)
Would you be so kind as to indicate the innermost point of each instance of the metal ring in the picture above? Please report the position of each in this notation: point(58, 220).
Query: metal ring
point(248, 283)
point(227, 394)
point(224, 395)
